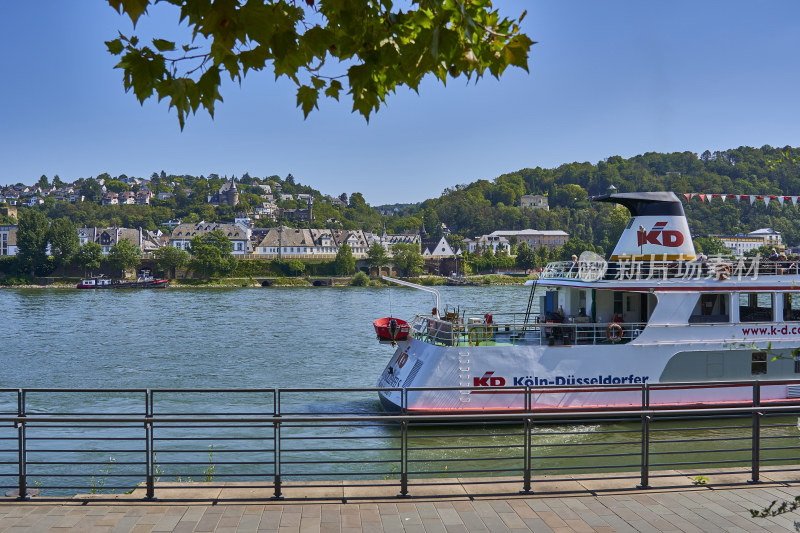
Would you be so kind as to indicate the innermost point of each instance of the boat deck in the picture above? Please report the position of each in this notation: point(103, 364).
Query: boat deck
point(515, 332)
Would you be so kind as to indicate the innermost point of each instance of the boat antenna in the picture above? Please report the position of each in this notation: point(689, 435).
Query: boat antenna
point(419, 287)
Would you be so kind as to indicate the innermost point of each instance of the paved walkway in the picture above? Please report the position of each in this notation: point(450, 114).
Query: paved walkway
point(674, 503)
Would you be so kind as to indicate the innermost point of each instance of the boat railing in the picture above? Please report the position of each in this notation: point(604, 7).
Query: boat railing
point(512, 329)
point(634, 269)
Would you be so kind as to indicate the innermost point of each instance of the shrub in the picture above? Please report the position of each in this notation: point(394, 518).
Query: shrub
point(360, 280)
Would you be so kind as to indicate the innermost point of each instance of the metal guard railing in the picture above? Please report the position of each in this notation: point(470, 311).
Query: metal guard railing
point(279, 440)
point(510, 329)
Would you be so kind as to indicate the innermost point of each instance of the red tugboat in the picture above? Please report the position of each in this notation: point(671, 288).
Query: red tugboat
point(391, 329)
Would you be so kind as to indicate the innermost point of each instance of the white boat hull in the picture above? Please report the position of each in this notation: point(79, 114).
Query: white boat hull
point(496, 378)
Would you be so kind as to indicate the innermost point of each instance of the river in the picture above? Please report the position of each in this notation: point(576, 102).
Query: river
point(317, 337)
point(211, 338)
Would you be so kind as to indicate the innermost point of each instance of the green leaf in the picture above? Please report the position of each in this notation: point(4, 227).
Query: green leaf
point(133, 8)
point(208, 86)
point(115, 47)
point(163, 45)
point(333, 89)
point(317, 82)
point(307, 99)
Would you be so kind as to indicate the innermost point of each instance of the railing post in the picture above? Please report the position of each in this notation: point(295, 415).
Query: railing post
point(150, 492)
point(23, 467)
point(645, 476)
point(756, 442)
point(403, 459)
point(526, 473)
point(276, 445)
point(403, 445)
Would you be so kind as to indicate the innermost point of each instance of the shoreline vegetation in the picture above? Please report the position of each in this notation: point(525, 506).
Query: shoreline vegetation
point(280, 282)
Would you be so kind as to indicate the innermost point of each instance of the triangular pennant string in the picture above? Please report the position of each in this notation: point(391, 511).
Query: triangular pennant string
point(702, 198)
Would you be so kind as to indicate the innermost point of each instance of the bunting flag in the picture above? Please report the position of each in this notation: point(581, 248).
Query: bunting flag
point(708, 197)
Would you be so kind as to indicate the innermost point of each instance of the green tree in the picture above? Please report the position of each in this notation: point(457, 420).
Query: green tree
point(384, 47)
point(377, 255)
point(64, 242)
point(432, 224)
point(211, 253)
point(408, 258)
point(345, 263)
point(711, 246)
point(124, 255)
point(526, 258)
point(543, 256)
point(170, 258)
point(91, 190)
point(117, 186)
point(89, 256)
point(296, 267)
point(32, 234)
point(574, 246)
point(43, 182)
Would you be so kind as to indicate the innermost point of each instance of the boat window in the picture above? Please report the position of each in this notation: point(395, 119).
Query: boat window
point(791, 307)
point(710, 308)
point(758, 364)
point(755, 307)
point(617, 304)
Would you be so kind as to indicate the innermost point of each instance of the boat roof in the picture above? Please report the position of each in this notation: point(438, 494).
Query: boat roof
point(656, 276)
point(646, 203)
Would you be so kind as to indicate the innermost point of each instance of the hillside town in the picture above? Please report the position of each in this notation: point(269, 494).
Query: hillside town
point(247, 232)
point(279, 219)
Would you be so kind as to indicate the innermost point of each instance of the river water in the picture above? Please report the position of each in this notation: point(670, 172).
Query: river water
point(211, 338)
point(288, 338)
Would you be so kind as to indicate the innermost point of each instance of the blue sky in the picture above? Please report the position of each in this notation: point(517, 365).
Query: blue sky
point(607, 78)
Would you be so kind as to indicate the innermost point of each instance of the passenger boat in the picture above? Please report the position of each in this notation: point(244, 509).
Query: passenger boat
point(596, 333)
point(391, 329)
point(145, 280)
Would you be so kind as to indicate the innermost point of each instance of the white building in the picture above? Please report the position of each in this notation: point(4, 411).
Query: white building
point(534, 201)
point(182, 235)
point(8, 240)
point(533, 238)
point(740, 244)
point(440, 248)
point(769, 236)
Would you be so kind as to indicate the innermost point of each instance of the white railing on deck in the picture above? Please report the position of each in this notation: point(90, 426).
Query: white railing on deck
point(512, 330)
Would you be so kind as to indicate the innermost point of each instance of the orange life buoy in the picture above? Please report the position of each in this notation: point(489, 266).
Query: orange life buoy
point(433, 311)
point(614, 332)
point(488, 318)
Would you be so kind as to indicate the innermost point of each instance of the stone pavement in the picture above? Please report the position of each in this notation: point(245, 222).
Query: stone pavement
point(596, 503)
